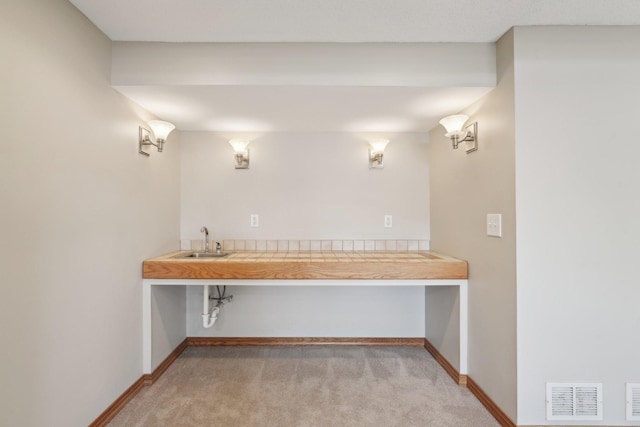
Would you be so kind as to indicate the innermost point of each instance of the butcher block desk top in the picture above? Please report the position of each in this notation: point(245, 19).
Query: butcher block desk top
point(308, 265)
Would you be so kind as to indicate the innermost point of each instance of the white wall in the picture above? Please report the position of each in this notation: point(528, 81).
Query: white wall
point(562, 93)
point(168, 321)
point(577, 186)
point(304, 186)
point(316, 311)
point(79, 211)
point(304, 64)
point(464, 188)
point(307, 186)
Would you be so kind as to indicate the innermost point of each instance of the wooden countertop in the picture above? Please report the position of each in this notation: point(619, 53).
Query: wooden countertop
point(308, 265)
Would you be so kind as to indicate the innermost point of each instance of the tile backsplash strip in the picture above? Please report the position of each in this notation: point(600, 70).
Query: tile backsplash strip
point(311, 245)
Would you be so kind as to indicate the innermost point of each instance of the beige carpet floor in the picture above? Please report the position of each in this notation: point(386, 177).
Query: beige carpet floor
point(305, 386)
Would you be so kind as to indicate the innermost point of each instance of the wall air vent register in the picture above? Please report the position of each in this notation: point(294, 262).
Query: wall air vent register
point(633, 401)
point(574, 401)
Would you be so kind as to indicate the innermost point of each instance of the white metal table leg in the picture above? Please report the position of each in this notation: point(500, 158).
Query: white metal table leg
point(464, 331)
point(146, 327)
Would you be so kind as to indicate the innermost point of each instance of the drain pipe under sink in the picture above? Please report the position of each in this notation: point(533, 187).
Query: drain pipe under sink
point(209, 316)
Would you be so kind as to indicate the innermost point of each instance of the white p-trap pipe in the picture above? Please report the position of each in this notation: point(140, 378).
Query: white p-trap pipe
point(209, 316)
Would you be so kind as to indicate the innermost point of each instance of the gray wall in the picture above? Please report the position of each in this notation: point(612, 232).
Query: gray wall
point(554, 128)
point(578, 187)
point(307, 185)
point(304, 185)
point(464, 188)
point(79, 211)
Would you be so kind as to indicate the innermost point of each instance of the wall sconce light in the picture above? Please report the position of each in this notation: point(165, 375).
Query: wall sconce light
point(241, 153)
point(376, 153)
point(454, 126)
point(161, 131)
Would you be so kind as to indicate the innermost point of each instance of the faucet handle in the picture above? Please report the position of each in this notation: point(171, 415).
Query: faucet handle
point(218, 247)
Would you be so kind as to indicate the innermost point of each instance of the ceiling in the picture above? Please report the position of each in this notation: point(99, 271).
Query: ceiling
point(343, 20)
point(294, 101)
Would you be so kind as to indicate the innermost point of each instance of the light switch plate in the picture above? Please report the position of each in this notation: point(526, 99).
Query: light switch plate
point(494, 225)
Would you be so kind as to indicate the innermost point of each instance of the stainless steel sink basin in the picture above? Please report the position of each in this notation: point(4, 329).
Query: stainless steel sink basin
point(204, 255)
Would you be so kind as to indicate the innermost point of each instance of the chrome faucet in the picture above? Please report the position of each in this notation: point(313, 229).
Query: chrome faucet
point(205, 230)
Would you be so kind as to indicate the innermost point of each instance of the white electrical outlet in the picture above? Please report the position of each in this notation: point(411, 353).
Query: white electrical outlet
point(388, 221)
point(255, 220)
point(494, 225)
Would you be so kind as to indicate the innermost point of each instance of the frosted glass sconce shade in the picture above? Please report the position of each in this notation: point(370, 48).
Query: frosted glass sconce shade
point(161, 131)
point(458, 133)
point(376, 153)
point(453, 124)
point(241, 153)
